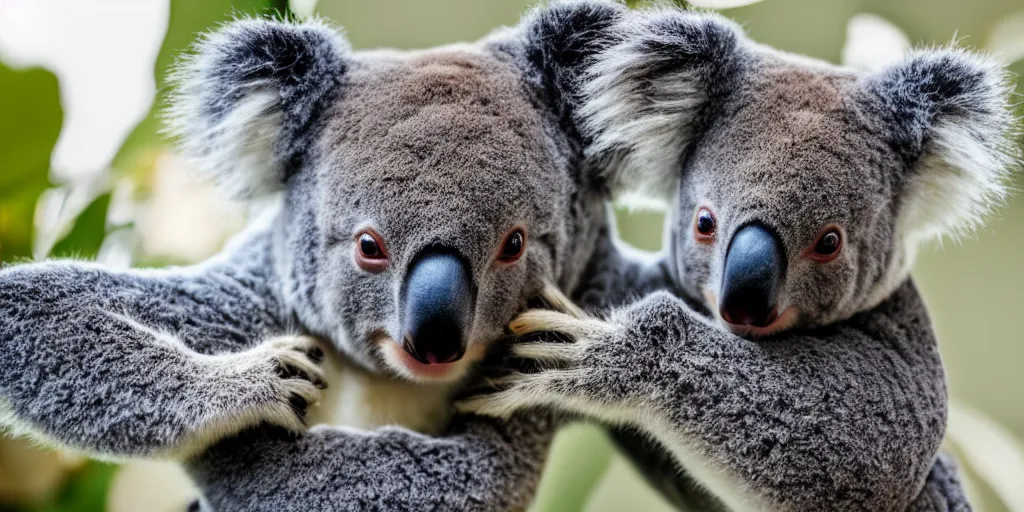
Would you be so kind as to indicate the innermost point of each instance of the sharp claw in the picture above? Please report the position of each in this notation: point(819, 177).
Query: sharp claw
point(542, 320)
point(507, 381)
point(560, 302)
point(316, 354)
point(480, 405)
point(299, 406)
point(284, 371)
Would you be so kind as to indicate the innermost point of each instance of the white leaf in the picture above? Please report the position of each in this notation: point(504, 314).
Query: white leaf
point(991, 451)
point(721, 4)
point(1007, 38)
point(103, 55)
point(873, 43)
point(302, 8)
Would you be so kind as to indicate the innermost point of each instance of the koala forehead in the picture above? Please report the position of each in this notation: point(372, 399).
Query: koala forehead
point(447, 142)
point(801, 142)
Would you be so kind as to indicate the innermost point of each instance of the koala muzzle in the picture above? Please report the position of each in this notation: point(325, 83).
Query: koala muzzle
point(438, 308)
point(755, 269)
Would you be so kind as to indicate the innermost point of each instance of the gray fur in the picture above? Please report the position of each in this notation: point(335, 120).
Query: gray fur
point(917, 151)
point(479, 464)
point(119, 363)
point(846, 408)
point(249, 102)
point(447, 147)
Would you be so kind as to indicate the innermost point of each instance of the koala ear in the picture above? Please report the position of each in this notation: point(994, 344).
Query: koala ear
point(247, 105)
point(562, 40)
point(649, 95)
point(953, 126)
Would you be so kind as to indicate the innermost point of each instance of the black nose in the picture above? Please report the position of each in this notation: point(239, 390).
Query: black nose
point(755, 267)
point(438, 310)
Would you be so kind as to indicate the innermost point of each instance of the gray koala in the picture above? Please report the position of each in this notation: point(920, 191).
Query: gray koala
point(422, 198)
point(795, 366)
point(477, 465)
point(391, 163)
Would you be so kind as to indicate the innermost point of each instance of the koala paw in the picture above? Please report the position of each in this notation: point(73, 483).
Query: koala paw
point(572, 372)
point(275, 382)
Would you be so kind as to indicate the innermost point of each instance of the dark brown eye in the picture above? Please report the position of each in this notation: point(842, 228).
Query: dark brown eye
point(370, 253)
point(368, 247)
point(513, 246)
point(704, 226)
point(827, 246)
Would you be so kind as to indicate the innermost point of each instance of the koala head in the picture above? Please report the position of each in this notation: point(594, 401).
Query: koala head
point(426, 194)
point(800, 190)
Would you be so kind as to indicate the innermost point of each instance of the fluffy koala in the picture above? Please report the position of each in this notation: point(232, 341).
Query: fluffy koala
point(423, 197)
point(795, 367)
point(273, 107)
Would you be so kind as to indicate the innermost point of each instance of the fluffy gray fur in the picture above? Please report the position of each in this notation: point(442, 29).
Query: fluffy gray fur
point(450, 146)
point(447, 147)
point(846, 408)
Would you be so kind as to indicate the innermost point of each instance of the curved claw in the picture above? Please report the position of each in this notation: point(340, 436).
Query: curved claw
point(543, 320)
point(560, 302)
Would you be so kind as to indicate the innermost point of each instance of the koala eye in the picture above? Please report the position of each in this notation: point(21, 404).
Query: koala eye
point(370, 253)
point(827, 245)
point(704, 226)
point(513, 246)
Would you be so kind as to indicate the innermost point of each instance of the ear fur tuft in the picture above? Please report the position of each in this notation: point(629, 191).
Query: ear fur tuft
point(957, 131)
point(646, 95)
point(246, 104)
point(562, 39)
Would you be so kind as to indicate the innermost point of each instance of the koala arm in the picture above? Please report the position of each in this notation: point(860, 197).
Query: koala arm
point(147, 362)
point(481, 464)
point(848, 416)
point(942, 490)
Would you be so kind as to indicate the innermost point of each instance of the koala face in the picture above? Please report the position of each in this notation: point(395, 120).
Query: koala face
point(802, 189)
point(426, 195)
point(787, 210)
point(432, 211)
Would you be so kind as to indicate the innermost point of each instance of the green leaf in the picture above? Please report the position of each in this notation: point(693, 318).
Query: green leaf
point(579, 457)
point(87, 234)
point(30, 121)
point(87, 490)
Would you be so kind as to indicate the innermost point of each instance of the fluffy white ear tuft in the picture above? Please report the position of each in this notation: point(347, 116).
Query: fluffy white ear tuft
point(248, 103)
point(645, 97)
point(954, 122)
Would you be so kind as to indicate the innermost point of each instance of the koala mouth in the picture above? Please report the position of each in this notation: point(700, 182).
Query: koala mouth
point(399, 361)
point(781, 322)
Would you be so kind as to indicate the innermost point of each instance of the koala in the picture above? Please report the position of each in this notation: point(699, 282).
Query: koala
point(789, 362)
point(432, 155)
point(417, 200)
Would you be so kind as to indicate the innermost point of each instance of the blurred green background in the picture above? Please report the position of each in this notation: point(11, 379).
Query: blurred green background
point(85, 172)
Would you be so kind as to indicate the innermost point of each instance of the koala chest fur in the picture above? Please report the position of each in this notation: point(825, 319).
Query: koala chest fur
point(367, 400)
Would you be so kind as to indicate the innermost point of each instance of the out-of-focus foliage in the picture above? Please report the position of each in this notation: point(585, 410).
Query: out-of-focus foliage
point(188, 19)
point(30, 122)
point(87, 233)
point(30, 119)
